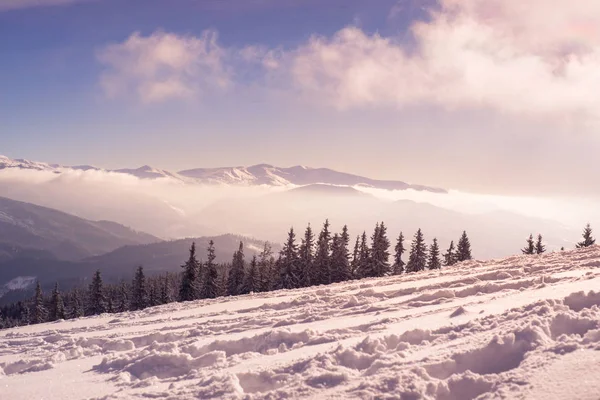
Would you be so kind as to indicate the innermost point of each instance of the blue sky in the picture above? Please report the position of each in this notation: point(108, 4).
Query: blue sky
point(442, 93)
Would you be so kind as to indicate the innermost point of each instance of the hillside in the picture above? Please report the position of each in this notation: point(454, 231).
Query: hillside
point(521, 327)
point(25, 225)
point(160, 257)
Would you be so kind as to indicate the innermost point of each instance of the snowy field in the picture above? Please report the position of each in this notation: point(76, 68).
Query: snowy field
point(518, 328)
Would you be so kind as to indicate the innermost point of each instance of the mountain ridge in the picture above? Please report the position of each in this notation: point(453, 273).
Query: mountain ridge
point(259, 174)
point(25, 225)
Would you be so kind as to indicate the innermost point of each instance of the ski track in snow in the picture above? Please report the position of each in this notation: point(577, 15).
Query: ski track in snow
point(521, 327)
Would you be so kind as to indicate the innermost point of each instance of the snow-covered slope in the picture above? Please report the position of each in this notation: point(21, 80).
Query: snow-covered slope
point(518, 328)
point(6, 162)
point(148, 172)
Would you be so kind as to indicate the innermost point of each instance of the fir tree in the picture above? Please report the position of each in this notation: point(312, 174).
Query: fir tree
point(122, 297)
point(210, 286)
point(288, 266)
point(417, 260)
point(463, 250)
point(434, 256)
point(153, 297)
point(77, 309)
point(39, 314)
point(364, 257)
point(188, 290)
point(539, 245)
point(139, 291)
point(266, 266)
point(450, 256)
point(355, 259)
point(96, 296)
point(588, 239)
point(380, 255)
point(25, 313)
point(236, 274)
point(223, 279)
point(340, 263)
point(398, 267)
point(57, 307)
point(110, 307)
point(306, 253)
point(252, 281)
point(321, 270)
point(530, 247)
point(165, 290)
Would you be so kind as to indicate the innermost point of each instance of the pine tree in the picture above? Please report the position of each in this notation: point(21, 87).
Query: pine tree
point(223, 279)
point(463, 250)
point(539, 245)
point(398, 267)
point(306, 253)
point(57, 307)
point(165, 291)
point(122, 297)
point(39, 314)
point(355, 259)
point(530, 248)
point(252, 281)
point(450, 256)
point(340, 263)
point(77, 309)
point(139, 291)
point(417, 260)
point(210, 286)
point(236, 274)
point(153, 298)
point(364, 257)
point(188, 290)
point(97, 298)
point(588, 239)
point(25, 312)
point(380, 255)
point(434, 256)
point(288, 266)
point(266, 266)
point(321, 273)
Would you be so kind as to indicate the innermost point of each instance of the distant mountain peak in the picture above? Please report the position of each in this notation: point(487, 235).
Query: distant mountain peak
point(259, 174)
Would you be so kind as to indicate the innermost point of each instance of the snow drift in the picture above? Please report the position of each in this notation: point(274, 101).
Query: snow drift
point(521, 327)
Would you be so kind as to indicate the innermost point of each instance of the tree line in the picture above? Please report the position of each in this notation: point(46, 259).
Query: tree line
point(317, 259)
point(538, 247)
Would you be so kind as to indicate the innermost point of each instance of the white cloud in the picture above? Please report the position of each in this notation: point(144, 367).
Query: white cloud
point(538, 57)
point(6, 5)
point(164, 66)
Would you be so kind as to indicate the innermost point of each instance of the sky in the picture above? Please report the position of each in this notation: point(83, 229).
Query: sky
point(487, 96)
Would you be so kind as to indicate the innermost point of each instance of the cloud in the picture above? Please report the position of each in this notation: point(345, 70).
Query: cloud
point(164, 66)
point(7, 5)
point(538, 57)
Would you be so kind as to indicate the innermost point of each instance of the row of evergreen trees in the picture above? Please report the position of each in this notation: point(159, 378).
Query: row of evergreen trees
point(538, 247)
point(317, 260)
point(97, 298)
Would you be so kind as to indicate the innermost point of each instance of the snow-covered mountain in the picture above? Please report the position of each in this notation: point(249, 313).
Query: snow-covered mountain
point(6, 162)
point(261, 174)
point(264, 174)
point(525, 327)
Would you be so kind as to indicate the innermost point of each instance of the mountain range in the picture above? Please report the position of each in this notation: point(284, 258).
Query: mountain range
point(58, 234)
point(261, 174)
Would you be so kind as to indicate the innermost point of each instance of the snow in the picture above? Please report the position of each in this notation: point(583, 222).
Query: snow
point(521, 327)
